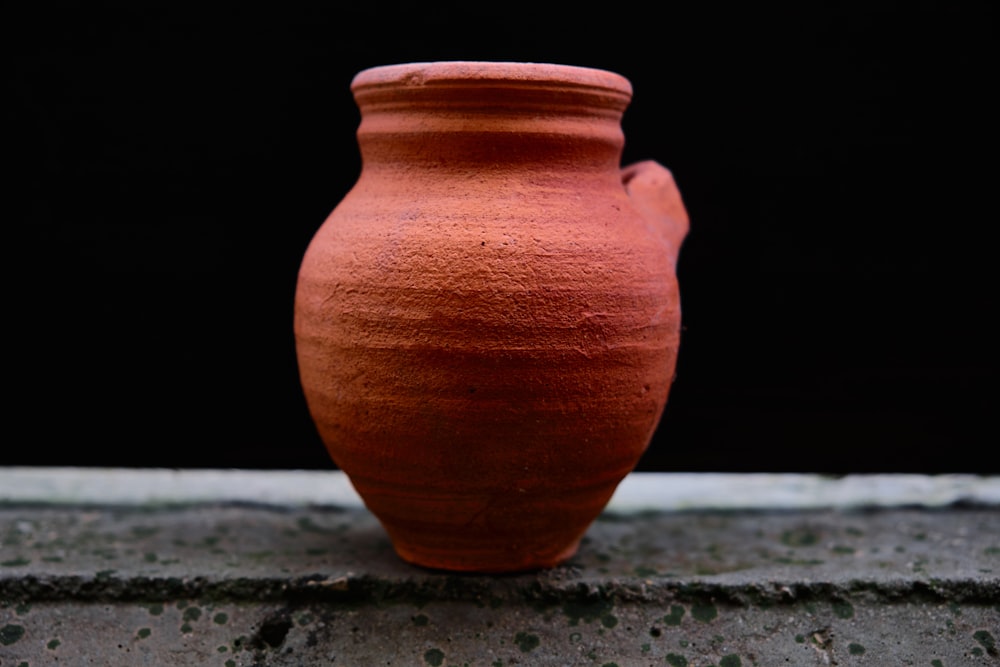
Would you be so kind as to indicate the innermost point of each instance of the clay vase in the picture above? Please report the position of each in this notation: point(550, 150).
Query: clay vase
point(487, 324)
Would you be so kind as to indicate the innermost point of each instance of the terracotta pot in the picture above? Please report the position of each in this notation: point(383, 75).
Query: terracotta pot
point(487, 324)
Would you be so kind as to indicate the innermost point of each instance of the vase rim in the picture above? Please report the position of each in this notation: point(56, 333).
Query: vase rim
point(445, 72)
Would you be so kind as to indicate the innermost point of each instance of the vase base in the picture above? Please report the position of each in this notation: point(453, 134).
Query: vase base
point(501, 561)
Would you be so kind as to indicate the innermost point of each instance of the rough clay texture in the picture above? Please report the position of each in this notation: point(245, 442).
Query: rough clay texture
point(487, 325)
point(233, 585)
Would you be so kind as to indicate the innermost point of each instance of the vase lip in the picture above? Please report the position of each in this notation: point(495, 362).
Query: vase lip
point(483, 71)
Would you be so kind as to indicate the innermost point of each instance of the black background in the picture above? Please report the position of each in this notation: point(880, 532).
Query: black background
point(170, 166)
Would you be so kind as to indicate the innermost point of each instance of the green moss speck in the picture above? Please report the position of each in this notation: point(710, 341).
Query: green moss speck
point(936, 663)
point(222, 649)
point(675, 615)
point(731, 660)
point(53, 644)
point(221, 618)
point(799, 538)
point(155, 609)
point(150, 557)
point(705, 613)
point(187, 629)
point(434, 657)
point(145, 531)
point(609, 621)
point(192, 614)
point(11, 633)
point(675, 660)
point(420, 620)
point(798, 561)
point(143, 633)
point(15, 562)
point(526, 642)
point(230, 663)
point(987, 641)
point(307, 525)
point(843, 609)
point(855, 649)
point(610, 664)
point(586, 610)
point(800, 639)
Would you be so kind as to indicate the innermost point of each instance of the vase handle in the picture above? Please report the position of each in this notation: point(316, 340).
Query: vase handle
point(654, 193)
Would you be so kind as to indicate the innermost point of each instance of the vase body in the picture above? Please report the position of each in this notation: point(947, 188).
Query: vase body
point(487, 324)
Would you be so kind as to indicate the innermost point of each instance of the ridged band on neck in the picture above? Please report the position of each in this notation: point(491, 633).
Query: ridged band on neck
point(461, 84)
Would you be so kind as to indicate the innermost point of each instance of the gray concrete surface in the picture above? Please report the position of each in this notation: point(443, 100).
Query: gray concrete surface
point(801, 572)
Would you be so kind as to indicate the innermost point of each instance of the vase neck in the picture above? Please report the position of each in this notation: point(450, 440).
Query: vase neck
point(491, 113)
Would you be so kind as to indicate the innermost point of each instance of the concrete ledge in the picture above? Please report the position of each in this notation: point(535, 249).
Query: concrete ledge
point(638, 492)
point(287, 568)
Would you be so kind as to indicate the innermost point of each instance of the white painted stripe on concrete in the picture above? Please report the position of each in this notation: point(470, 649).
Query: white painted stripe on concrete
point(144, 485)
point(638, 492)
point(799, 491)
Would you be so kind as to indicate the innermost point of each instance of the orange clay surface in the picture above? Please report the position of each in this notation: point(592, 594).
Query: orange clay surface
point(487, 325)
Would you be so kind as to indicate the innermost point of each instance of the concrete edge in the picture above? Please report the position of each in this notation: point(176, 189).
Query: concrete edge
point(638, 492)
